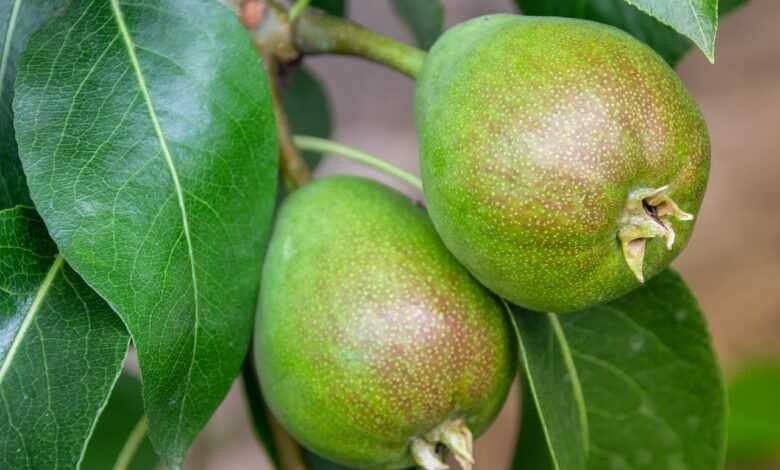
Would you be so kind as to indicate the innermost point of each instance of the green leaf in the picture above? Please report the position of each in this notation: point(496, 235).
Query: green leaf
point(671, 45)
point(668, 43)
point(118, 421)
point(333, 7)
point(533, 451)
point(308, 109)
point(754, 413)
point(630, 384)
point(695, 19)
point(147, 136)
point(61, 350)
point(18, 20)
point(425, 19)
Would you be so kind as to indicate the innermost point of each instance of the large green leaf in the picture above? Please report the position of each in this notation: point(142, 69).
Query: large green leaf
point(754, 413)
point(18, 20)
point(671, 45)
point(425, 19)
point(307, 107)
point(146, 133)
point(61, 350)
point(630, 384)
point(116, 427)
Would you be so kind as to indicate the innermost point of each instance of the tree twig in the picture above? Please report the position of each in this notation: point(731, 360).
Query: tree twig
point(294, 169)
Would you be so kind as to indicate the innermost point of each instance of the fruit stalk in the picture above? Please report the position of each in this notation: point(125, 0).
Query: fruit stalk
point(132, 444)
point(316, 144)
point(314, 32)
point(286, 35)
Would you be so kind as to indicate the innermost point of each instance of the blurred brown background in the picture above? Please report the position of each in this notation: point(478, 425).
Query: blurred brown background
point(733, 261)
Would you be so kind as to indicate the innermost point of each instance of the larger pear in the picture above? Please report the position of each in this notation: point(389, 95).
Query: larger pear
point(563, 160)
point(375, 348)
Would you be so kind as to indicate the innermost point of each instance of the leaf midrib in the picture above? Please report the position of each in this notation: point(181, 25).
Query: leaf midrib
point(579, 398)
point(32, 313)
point(576, 385)
point(130, 45)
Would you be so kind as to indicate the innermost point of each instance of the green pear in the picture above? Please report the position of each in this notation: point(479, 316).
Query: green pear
point(375, 348)
point(563, 161)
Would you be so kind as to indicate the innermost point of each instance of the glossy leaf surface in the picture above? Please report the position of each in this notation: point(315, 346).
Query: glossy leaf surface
point(147, 136)
point(61, 350)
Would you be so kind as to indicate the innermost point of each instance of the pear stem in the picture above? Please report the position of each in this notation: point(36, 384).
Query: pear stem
point(314, 32)
point(287, 35)
point(317, 144)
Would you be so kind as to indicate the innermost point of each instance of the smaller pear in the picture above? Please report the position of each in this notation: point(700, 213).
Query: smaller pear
point(375, 348)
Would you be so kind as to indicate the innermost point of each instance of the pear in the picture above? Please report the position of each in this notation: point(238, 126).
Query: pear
point(375, 348)
point(563, 161)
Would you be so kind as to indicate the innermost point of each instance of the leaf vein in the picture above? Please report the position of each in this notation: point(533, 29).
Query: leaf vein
point(29, 318)
point(129, 43)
